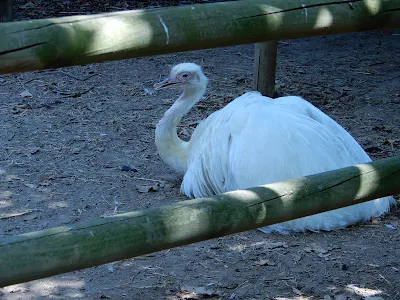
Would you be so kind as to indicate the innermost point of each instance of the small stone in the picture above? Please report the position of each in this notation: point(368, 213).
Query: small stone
point(128, 169)
point(147, 188)
point(34, 150)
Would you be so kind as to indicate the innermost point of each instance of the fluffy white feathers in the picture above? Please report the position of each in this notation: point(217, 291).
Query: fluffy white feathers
point(257, 140)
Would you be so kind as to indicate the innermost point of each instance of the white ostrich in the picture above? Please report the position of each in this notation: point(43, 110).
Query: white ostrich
point(256, 140)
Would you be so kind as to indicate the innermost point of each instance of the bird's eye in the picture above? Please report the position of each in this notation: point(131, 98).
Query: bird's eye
point(185, 75)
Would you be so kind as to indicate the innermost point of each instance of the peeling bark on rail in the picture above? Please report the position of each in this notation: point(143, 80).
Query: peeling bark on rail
point(67, 41)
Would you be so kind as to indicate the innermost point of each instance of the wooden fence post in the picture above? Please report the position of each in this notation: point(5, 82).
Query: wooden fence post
point(6, 11)
point(265, 68)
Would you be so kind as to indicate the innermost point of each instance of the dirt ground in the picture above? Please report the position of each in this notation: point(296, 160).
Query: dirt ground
point(70, 136)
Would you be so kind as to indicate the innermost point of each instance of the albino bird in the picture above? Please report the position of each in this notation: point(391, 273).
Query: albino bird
point(256, 140)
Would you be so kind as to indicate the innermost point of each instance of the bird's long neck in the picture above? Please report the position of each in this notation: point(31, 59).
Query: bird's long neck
point(171, 148)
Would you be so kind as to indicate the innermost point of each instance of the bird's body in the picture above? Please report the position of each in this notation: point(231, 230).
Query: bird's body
point(257, 140)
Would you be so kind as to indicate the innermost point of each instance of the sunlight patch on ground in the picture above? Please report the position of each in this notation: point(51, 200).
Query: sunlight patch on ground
point(294, 298)
point(47, 288)
point(4, 203)
point(364, 292)
point(5, 199)
point(58, 204)
point(238, 248)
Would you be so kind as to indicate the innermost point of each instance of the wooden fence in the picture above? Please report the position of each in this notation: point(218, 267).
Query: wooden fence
point(51, 43)
point(60, 42)
point(48, 252)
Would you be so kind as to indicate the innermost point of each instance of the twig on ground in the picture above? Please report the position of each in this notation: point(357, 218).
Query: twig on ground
point(77, 78)
point(147, 179)
point(381, 276)
point(125, 284)
point(23, 86)
point(66, 94)
point(12, 215)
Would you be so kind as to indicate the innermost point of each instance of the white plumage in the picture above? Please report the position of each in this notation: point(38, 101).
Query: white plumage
point(257, 140)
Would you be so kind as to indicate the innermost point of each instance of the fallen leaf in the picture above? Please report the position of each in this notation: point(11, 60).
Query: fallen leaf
point(316, 249)
point(20, 108)
point(296, 257)
point(28, 5)
point(390, 226)
point(26, 94)
point(147, 188)
point(34, 150)
point(128, 169)
point(29, 217)
point(5, 196)
point(188, 292)
point(297, 292)
point(373, 149)
point(326, 255)
point(264, 262)
point(272, 245)
point(30, 185)
point(12, 177)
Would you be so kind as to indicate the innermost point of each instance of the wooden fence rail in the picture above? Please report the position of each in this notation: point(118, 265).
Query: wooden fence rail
point(43, 253)
point(58, 42)
point(51, 43)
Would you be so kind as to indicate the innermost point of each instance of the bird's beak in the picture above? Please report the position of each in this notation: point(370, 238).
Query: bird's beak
point(168, 82)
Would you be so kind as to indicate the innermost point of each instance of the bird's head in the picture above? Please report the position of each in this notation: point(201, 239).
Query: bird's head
point(184, 75)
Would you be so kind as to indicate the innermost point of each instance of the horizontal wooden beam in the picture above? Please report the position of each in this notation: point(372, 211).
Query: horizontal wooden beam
point(48, 252)
point(59, 42)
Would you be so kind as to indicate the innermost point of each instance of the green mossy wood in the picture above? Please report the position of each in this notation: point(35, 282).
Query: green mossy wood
point(264, 69)
point(43, 253)
point(58, 42)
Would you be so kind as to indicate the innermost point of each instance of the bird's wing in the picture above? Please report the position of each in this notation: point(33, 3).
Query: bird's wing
point(289, 139)
point(255, 140)
point(208, 161)
point(351, 146)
